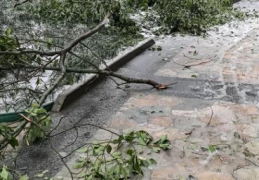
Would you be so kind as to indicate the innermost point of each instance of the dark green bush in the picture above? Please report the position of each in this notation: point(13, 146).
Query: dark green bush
point(194, 16)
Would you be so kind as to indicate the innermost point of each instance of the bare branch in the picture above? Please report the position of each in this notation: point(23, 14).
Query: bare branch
point(58, 80)
point(106, 73)
point(86, 35)
point(41, 53)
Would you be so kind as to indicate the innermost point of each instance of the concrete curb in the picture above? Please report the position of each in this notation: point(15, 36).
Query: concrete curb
point(76, 90)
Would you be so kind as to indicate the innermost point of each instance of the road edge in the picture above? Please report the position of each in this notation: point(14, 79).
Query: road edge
point(76, 90)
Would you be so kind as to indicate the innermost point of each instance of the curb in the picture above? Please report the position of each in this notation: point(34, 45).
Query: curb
point(76, 90)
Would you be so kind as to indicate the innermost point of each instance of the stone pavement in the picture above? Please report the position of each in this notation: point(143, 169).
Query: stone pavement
point(221, 110)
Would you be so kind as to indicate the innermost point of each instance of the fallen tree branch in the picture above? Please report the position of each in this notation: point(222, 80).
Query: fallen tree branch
point(152, 83)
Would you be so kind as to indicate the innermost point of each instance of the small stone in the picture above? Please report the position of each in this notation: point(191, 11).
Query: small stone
point(247, 130)
point(247, 173)
point(250, 131)
point(223, 137)
point(63, 154)
point(253, 147)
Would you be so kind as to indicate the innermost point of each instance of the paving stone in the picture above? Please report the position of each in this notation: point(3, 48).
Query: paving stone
point(172, 134)
point(103, 135)
point(168, 101)
point(121, 123)
point(163, 121)
point(213, 176)
point(168, 172)
point(145, 101)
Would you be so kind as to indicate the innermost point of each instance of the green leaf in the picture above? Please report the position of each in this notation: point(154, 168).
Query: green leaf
point(78, 165)
point(82, 175)
point(124, 173)
point(141, 141)
point(152, 161)
point(8, 32)
point(108, 149)
point(212, 148)
point(156, 149)
point(136, 166)
point(144, 163)
point(130, 152)
point(129, 137)
point(182, 178)
point(143, 138)
point(159, 48)
point(38, 81)
point(13, 142)
point(83, 150)
point(4, 174)
point(116, 154)
point(24, 177)
point(49, 43)
point(117, 171)
point(164, 146)
point(112, 170)
point(163, 138)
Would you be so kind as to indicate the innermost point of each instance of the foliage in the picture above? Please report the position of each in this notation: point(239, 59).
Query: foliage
point(6, 175)
point(89, 11)
point(118, 158)
point(194, 16)
point(7, 43)
point(40, 125)
point(186, 16)
point(7, 133)
point(40, 122)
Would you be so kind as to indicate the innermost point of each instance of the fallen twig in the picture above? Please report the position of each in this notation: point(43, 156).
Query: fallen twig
point(188, 65)
point(212, 113)
point(191, 57)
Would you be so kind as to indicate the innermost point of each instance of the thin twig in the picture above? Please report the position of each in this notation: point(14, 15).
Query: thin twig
point(191, 57)
point(188, 65)
point(62, 160)
point(212, 113)
point(56, 125)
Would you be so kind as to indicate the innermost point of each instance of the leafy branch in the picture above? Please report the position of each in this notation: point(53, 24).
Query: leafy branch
point(118, 158)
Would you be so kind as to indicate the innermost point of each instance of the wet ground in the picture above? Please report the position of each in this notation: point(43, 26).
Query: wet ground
point(215, 103)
